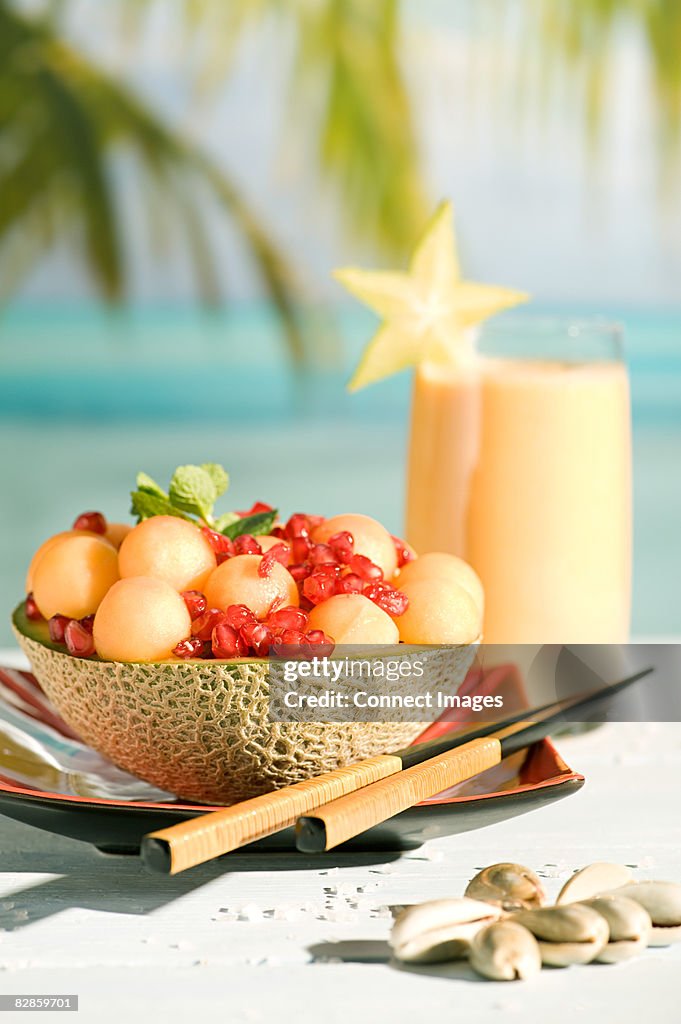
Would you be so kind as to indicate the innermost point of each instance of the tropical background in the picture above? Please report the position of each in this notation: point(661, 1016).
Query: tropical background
point(179, 177)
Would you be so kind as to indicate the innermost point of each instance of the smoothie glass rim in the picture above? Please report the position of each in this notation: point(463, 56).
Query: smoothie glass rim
point(547, 337)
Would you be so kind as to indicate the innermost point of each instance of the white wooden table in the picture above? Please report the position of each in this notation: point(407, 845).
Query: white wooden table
point(260, 938)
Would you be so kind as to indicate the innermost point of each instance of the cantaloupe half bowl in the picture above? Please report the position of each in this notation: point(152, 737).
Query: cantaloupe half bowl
point(202, 730)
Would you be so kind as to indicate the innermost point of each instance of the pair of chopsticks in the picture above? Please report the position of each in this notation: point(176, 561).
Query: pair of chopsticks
point(350, 800)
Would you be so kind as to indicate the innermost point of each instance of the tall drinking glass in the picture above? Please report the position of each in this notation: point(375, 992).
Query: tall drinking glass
point(521, 463)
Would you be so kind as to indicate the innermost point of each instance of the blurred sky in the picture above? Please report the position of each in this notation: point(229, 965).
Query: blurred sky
point(534, 210)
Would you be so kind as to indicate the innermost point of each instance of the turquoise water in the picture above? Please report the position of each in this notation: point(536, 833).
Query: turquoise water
point(86, 401)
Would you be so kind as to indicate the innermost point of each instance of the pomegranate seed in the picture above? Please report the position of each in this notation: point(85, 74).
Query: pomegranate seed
point(88, 623)
point(343, 545)
point(258, 637)
point(292, 636)
point(315, 636)
point(238, 615)
point(298, 526)
point(322, 554)
point(227, 643)
point(205, 624)
point(319, 587)
point(247, 545)
point(319, 642)
point(288, 618)
point(350, 584)
point(300, 572)
point(278, 531)
point(328, 569)
point(92, 521)
point(404, 553)
point(196, 603)
point(32, 610)
point(277, 553)
point(220, 544)
point(365, 568)
point(259, 506)
point(57, 625)
point(190, 648)
point(78, 640)
point(391, 600)
point(300, 549)
point(290, 643)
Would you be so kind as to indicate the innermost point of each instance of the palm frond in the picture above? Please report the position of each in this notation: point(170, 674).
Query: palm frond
point(82, 158)
point(347, 89)
point(349, 56)
point(581, 38)
point(61, 120)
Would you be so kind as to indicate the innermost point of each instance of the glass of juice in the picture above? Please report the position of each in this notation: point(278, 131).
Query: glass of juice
point(520, 462)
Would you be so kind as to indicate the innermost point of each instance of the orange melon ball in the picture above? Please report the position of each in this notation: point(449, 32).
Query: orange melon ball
point(237, 581)
point(440, 612)
point(169, 549)
point(266, 542)
point(371, 539)
point(73, 576)
point(438, 565)
point(354, 619)
point(140, 619)
point(117, 532)
point(49, 543)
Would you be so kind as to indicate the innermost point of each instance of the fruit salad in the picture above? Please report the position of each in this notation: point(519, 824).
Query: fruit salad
point(184, 583)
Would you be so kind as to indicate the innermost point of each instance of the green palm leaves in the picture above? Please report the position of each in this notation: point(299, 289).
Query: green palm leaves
point(64, 123)
point(581, 37)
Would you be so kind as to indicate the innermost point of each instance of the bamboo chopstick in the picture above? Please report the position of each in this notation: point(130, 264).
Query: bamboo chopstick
point(174, 849)
point(350, 815)
point(179, 847)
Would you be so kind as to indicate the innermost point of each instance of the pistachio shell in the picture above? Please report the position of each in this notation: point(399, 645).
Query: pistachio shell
point(511, 886)
point(572, 934)
point(505, 951)
point(629, 925)
point(439, 929)
point(592, 880)
point(662, 900)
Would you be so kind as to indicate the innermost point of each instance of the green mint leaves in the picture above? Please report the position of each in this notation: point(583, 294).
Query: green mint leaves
point(145, 504)
point(191, 495)
point(195, 489)
point(257, 525)
point(151, 500)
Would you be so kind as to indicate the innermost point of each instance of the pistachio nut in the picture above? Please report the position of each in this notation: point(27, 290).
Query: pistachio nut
point(629, 925)
point(592, 880)
point(662, 900)
point(572, 934)
point(440, 929)
point(505, 951)
point(511, 886)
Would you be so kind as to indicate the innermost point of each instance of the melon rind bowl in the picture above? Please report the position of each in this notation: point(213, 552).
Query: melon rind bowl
point(202, 730)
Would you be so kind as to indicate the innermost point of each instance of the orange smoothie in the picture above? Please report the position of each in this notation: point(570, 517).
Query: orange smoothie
point(523, 468)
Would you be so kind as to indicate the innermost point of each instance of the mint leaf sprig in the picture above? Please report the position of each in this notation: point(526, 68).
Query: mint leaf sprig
point(191, 495)
point(257, 524)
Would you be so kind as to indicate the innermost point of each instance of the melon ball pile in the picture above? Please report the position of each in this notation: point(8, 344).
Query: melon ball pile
point(170, 588)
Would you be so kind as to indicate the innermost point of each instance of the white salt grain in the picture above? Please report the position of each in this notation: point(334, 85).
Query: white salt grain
point(250, 912)
point(287, 913)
